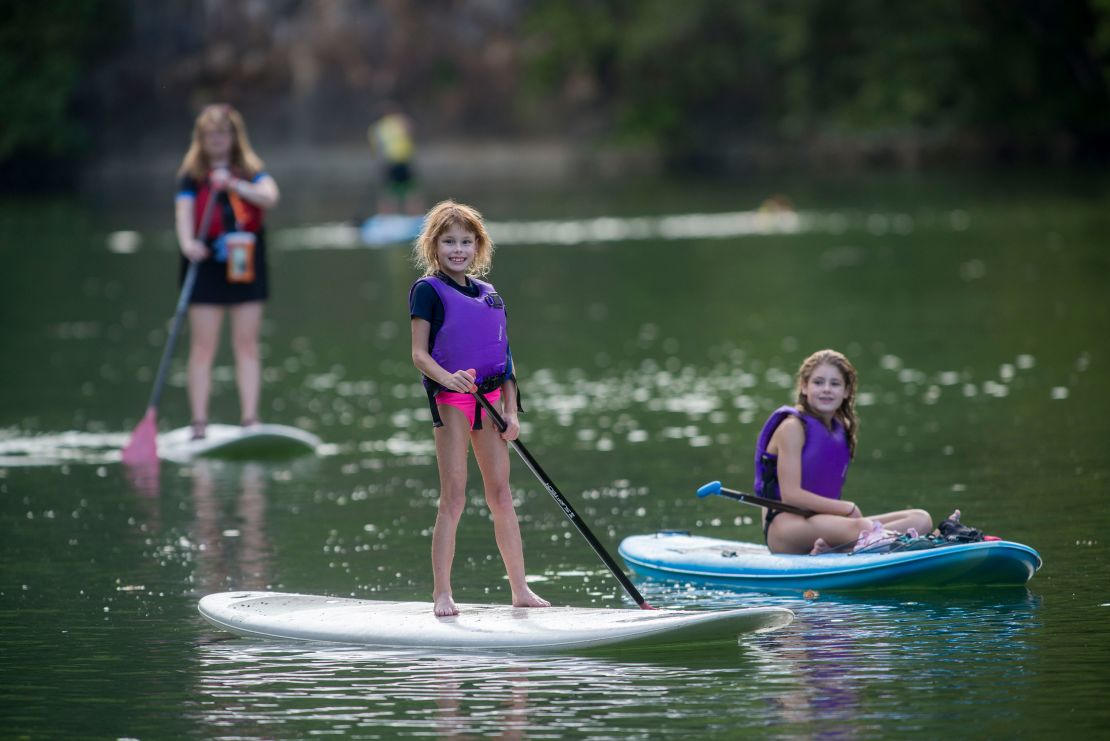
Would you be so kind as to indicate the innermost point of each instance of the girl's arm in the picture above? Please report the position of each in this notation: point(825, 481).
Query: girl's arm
point(461, 381)
point(790, 438)
point(263, 193)
point(184, 213)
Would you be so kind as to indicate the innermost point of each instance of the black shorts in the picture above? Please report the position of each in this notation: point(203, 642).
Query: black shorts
point(771, 514)
point(212, 286)
point(399, 176)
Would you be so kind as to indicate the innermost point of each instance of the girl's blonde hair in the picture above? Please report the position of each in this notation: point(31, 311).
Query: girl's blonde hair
point(847, 411)
point(243, 158)
point(442, 217)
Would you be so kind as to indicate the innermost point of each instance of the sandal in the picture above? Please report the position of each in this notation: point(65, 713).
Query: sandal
point(955, 531)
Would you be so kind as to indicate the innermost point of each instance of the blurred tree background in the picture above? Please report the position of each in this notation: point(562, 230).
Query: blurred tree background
point(996, 79)
point(47, 50)
point(705, 84)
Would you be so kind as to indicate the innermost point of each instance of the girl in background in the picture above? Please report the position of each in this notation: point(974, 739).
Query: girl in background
point(231, 255)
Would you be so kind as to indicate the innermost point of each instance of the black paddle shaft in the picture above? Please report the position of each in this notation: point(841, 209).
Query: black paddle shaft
point(568, 510)
point(179, 312)
point(765, 502)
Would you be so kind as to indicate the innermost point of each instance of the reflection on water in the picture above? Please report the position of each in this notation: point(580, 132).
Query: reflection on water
point(847, 656)
point(225, 543)
point(408, 693)
point(18, 448)
point(849, 661)
point(229, 530)
point(844, 669)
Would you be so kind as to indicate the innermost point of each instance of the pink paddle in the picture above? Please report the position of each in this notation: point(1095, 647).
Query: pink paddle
point(142, 448)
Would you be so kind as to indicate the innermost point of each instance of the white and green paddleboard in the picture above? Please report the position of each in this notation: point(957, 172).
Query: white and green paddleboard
point(259, 441)
point(413, 625)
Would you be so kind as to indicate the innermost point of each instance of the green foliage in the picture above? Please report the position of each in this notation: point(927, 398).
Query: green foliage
point(694, 74)
point(45, 48)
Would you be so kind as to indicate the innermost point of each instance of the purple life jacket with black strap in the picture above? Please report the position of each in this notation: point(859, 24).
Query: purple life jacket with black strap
point(474, 335)
point(825, 456)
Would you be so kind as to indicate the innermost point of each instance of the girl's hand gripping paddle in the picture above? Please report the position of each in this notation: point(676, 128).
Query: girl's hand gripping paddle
point(714, 487)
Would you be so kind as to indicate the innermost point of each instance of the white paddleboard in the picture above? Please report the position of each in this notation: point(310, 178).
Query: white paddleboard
point(231, 441)
point(305, 617)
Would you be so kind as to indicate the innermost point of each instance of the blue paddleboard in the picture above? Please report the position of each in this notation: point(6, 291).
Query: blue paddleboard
point(387, 229)
point(679, 555)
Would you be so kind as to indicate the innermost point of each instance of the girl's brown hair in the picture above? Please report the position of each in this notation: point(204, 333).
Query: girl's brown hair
point(243, 159)
point(442, 217)
point(847, 411)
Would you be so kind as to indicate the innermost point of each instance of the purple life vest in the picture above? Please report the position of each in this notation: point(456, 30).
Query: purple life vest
point(474, 332)
point(825, 456)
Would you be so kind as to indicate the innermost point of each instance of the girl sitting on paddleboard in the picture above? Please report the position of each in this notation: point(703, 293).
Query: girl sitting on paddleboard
point(802, 458)
point(461, 345)
point(231, 275)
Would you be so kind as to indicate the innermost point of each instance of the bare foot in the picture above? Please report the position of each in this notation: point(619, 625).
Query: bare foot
point(819, 547)
point(955, 516)
point(445, 606)
point(528, 598)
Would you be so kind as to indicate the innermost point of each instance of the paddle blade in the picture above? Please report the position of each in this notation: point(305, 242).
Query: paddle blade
point(713, 487)
point(143, 446)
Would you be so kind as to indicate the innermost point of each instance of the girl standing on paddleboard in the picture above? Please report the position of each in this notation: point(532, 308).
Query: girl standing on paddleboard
point(231, 277)
point(802, 458)
point(460, 344)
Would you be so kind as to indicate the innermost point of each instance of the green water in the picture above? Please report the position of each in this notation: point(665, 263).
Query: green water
point(975, 310)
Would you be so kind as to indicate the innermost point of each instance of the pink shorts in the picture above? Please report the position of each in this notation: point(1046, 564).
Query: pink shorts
point(466, 402)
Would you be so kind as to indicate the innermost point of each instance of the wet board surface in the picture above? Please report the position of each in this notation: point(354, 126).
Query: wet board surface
point(678, 555)
point(260, 441)
point(477, 627)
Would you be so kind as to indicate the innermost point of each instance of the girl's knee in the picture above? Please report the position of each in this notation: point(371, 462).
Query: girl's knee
point(499, 499)
point(202, 355)
point(246, 348)
point(451, 511)
point(452, 504)
point(924, 521)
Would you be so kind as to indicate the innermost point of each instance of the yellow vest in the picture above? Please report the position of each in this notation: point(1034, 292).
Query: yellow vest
point(391, 135)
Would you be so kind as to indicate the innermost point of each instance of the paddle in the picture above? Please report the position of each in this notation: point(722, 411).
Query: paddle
point(568, 510)
point(714, 487)
point(143, 445)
